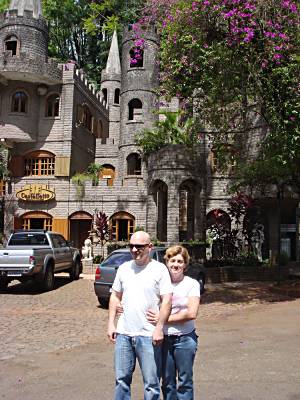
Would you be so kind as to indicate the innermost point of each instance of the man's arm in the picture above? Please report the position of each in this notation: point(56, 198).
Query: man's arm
point(115, 299)
point(182, 316)
point(164, 312)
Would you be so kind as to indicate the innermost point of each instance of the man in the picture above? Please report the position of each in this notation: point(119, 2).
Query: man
point(140, 284)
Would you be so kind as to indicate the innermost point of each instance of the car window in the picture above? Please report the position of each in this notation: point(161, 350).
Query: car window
point(116, 259)
point(28, 239)
point(62, 241)
point(55, 241)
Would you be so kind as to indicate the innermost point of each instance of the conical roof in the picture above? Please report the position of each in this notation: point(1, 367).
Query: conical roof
point(33, 6)
point(113, 65)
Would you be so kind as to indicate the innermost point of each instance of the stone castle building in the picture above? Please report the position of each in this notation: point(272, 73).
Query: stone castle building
point(55, 125)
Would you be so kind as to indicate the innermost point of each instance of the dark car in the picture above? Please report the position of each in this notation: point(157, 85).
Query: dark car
point(106, 271)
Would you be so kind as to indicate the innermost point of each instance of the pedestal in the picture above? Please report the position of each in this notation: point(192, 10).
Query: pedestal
point(88, 266)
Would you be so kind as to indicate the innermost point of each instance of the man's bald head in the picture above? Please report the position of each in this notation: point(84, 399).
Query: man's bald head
point(140, 248)
point(140, 237)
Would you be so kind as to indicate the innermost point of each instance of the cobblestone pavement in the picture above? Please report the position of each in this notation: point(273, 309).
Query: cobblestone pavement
point(69, 316)
point(66, 317)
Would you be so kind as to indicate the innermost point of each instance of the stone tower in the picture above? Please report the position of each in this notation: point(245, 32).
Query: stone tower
point(24, 39)
point(138, 91)
point(110, 89)
point(24, 22)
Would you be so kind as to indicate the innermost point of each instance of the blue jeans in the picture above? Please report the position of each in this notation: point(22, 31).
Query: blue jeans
point(178, 359)
point(127, 350)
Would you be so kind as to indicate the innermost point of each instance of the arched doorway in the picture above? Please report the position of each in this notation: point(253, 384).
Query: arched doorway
point(121, 226)
point(218, 224)
point(80, 225)
point(36, 220)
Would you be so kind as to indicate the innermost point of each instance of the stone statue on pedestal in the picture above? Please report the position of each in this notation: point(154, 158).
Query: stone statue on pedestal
point(87, 250)
point(257, 240)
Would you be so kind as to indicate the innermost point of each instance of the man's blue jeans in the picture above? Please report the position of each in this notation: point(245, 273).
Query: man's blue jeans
point(127, 350)
point(178, 357)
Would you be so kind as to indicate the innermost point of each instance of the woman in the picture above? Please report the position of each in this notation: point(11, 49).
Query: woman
point(180, 341)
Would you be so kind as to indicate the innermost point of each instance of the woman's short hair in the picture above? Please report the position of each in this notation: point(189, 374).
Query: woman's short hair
point(174, 251)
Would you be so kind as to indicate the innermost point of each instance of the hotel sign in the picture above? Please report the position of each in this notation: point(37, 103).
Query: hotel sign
point(35, 193)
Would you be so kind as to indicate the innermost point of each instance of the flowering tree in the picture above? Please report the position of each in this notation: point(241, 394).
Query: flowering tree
point(237, 60)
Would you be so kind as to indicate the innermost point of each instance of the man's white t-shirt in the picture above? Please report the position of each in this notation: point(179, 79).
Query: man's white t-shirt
point(141, 289)
point(182, 290)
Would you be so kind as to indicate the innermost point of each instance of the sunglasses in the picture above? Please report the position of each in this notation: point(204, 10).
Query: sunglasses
point(138, 246)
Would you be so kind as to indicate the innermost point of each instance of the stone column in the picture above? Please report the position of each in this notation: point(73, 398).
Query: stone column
point(200, 215)
point(173, 215)
point(151, 216)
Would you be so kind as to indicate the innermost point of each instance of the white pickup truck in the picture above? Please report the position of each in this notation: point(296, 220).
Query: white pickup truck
point(38, 254)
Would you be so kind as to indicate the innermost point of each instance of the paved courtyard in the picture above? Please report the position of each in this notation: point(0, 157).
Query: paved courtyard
point(53, 345)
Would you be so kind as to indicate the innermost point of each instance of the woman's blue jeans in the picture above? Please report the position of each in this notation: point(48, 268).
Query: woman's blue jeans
point(178, 359)
point(127, 350)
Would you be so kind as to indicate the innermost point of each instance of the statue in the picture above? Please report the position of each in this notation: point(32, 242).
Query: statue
point(257, 240)
point(87, 250)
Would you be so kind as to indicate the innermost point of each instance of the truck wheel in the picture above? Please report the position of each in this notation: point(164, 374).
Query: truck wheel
point(75, 271)
point(3, 284)
point(48, 280)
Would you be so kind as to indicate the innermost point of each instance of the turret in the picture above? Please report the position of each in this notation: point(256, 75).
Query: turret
point(23, 7)
point(24, 40)
point(139, 84)
point(110, 88)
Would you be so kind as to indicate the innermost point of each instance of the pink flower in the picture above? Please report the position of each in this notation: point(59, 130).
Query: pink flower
point(270, 34)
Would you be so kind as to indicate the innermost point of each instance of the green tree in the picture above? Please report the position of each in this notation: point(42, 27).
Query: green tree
point(169, 130)
point(237, 61)
point(81, 30)
point(4, 5)
point(68, 39)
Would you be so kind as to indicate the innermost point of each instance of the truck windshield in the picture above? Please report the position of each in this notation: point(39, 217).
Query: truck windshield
point(28, 239)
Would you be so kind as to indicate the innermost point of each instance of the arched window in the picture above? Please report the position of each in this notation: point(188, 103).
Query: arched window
point(108, 173)
point(37, 220)
point(12, 44)
point(121, 226)
point(134, 164)
point(134, 107)
point(39, 163)
point(19, 102)
point(117, 96)
point(87, 118)
point(2, 187)
point(136, 57)
point(104, 95)
point(52, 106)
point(99, 129)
